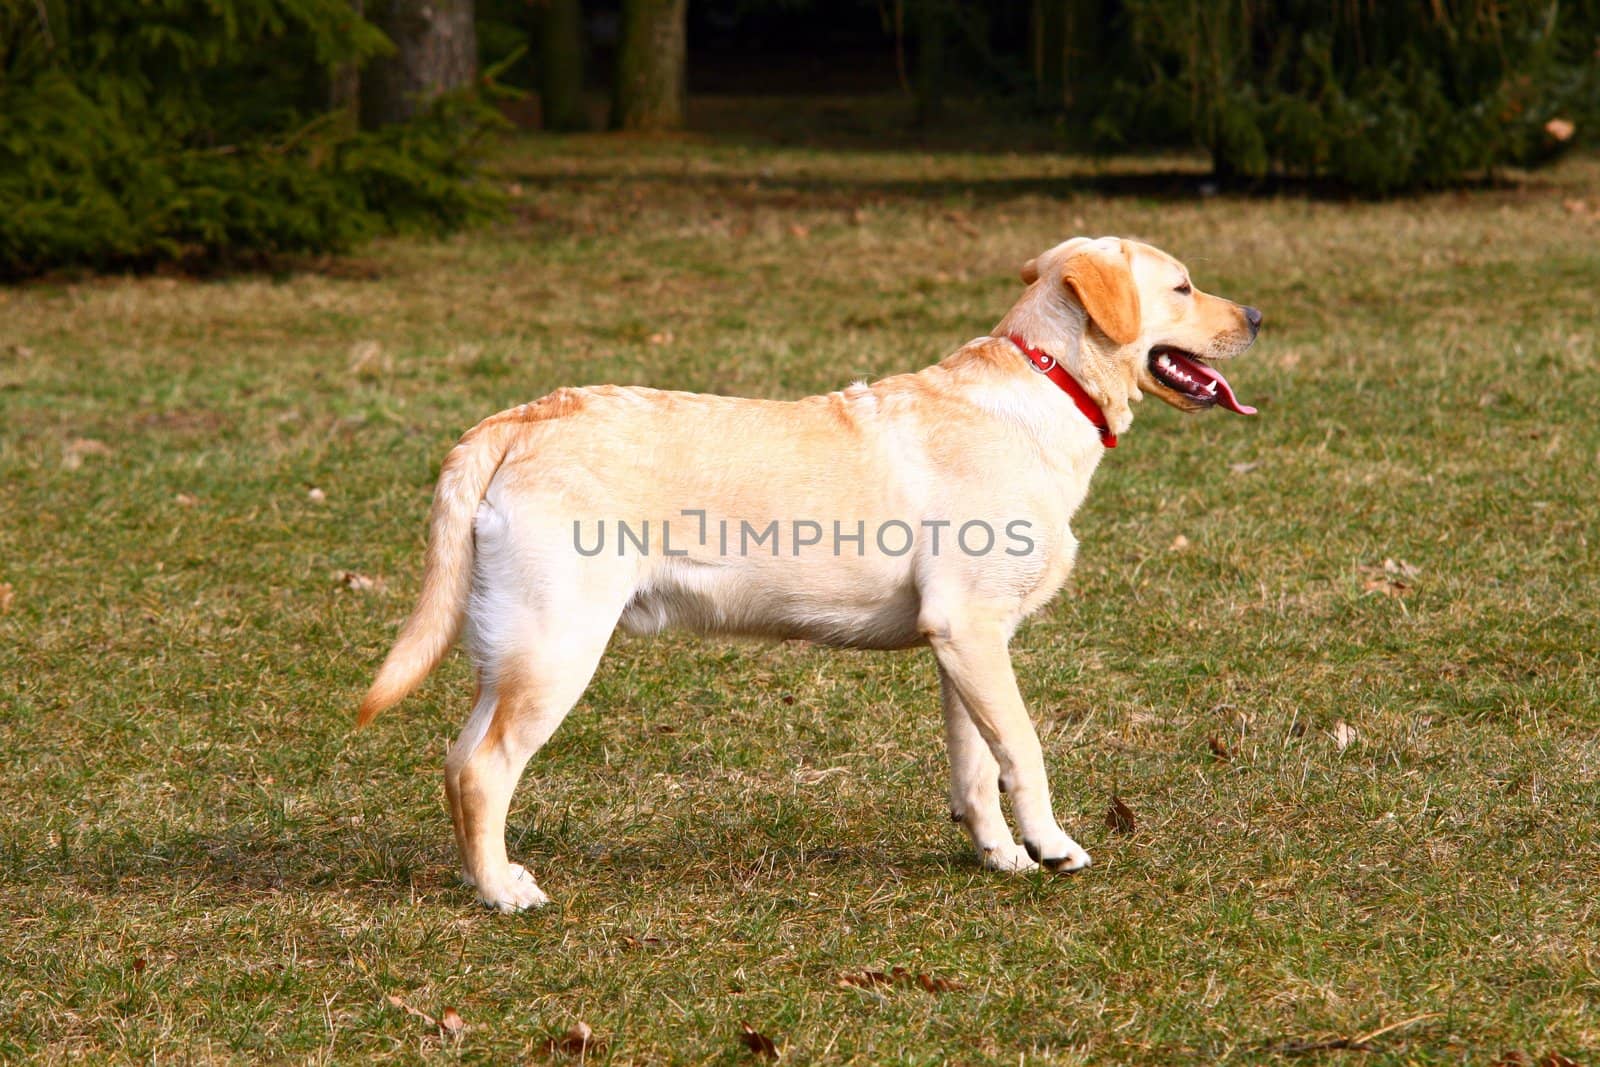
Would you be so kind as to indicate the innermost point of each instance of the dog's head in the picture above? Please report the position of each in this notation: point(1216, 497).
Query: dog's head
point(1145, 326)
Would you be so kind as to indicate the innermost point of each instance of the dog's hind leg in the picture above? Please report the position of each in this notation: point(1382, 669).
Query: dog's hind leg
point(477, 722)
point(525, 693)
point(517, 712)
point(975, 786)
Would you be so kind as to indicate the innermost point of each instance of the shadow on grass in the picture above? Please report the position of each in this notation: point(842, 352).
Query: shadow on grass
point(247, 857)
point(393, 862)
point(1170, 184)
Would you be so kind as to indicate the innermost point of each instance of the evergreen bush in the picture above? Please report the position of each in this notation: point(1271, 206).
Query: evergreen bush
point(139, 131)
point(1380, 97)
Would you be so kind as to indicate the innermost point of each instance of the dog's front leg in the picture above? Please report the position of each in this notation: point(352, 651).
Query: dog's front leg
point(975, 786)
point(972, 654)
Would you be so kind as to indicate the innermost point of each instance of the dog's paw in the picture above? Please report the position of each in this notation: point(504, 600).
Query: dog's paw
point(1062, 856)
point(518, 892)
point(1010, 858)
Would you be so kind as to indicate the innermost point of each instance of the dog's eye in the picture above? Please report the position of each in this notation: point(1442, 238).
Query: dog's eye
point(1185, 289)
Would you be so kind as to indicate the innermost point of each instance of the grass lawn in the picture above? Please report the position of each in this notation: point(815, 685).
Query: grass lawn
point(212, 503)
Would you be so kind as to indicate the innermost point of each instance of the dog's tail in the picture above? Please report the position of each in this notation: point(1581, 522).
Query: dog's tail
point(447, 577)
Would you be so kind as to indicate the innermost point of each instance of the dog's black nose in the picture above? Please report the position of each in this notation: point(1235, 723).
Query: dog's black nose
point(1253, 317)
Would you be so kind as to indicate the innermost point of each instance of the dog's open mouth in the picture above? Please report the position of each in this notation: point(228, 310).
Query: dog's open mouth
point(1184, 373)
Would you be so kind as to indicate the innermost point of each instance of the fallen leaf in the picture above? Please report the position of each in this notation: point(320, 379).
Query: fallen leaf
point(960, 222)
point(359, 583)
point(1576, 207)
point(450, 1022)
point(139, 965)
point(315, 495)
point(934, 984)
point(1391, 578)
point(22, 351)
point(409, 1010)
point(865, 979)
point(186, 500)
point(662, 338)
point(1556, 1059)
point(1514, 1058)
point(8, 593)
point(788, 699)
point(1179, 544)
point(799, 231)
point(1219, 749)
point(1401, 567)
point(1343, 734)
point(79, 447)
point(1561, 129)
point(757, 1042)
point(1119, 816)
point(1244, 468)
point(579, 1040)
point(366, 359)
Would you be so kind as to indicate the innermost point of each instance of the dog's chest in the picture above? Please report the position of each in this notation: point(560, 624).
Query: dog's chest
point(1055, 567)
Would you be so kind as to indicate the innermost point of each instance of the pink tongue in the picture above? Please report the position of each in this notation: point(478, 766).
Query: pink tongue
point(1225, 395)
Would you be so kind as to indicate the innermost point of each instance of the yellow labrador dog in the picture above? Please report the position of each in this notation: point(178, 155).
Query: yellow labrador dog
point(928, 508)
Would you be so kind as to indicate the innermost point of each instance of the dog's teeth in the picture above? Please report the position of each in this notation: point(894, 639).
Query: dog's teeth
point(1211, 388)
point(1164, 363)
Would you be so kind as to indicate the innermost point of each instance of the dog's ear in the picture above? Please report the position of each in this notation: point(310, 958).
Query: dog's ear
point(1030, 272)
point(1103, 283)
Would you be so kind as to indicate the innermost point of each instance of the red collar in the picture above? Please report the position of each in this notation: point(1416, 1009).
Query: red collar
point(1046, 365)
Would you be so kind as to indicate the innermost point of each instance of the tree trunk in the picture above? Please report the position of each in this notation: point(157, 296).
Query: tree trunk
point(1050, 33)
point(651, 65)
point(561, 52)
point(436, 50)
point(344, 81)
point(930, 15)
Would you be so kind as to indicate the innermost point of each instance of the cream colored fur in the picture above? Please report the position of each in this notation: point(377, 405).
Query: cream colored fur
point(977, 437)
